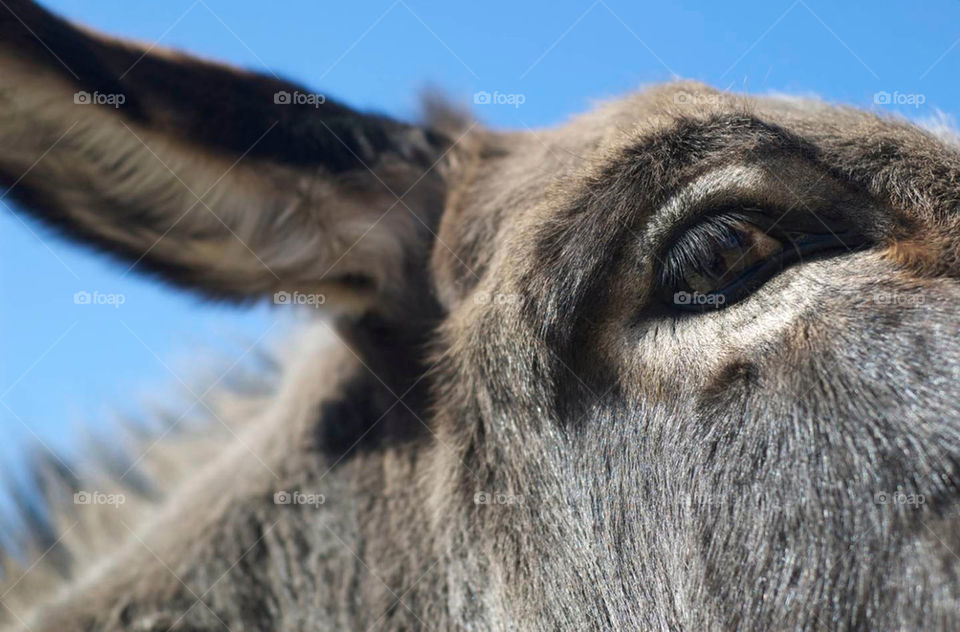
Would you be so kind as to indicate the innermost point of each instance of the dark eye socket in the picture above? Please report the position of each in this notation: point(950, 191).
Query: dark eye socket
point(726, 256)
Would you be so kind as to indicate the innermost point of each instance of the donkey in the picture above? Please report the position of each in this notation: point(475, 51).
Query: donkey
point(688, 362)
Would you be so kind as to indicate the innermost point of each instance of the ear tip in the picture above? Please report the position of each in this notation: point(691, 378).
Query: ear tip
point(443, 115)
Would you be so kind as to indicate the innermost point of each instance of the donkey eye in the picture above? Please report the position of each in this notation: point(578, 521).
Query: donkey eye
point(724, 258)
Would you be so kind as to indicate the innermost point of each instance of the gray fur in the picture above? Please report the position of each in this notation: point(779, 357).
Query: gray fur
point(507, 429)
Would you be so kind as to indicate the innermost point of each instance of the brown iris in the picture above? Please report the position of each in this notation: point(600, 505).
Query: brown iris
point(724, 257)
point(744, 247)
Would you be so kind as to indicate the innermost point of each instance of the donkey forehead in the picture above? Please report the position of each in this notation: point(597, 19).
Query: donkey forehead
point(546, 208)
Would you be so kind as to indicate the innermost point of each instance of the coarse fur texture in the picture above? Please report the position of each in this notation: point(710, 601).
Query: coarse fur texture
point(508, 427)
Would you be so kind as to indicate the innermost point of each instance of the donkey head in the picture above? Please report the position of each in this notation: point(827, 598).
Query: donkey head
point(715, 349)
point(688, 361)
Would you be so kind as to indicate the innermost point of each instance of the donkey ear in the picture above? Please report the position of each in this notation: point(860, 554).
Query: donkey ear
point(217, 179)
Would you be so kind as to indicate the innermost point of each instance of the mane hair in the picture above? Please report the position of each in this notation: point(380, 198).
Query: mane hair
point(50, 539)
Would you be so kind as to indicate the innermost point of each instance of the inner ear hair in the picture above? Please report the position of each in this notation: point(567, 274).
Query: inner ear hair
point(220, 180)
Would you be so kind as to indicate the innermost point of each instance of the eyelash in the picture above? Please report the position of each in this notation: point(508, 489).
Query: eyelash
point(698, 242)
point(727, 255)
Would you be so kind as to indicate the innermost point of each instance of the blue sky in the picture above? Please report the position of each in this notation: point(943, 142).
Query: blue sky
point(65, 366)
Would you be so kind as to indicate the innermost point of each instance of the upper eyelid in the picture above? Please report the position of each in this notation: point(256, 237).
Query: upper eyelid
point(772, 221)
point(670, 266)
point(756, 187)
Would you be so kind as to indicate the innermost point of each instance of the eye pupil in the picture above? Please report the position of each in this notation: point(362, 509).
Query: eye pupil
point(716, 254)
point(718, 267)
point(732, 239)
point(725, 257)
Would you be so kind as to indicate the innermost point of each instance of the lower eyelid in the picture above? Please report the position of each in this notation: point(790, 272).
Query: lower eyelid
point(756, 257)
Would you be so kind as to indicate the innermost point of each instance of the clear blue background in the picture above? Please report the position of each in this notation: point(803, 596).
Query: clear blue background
point(64, 366)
